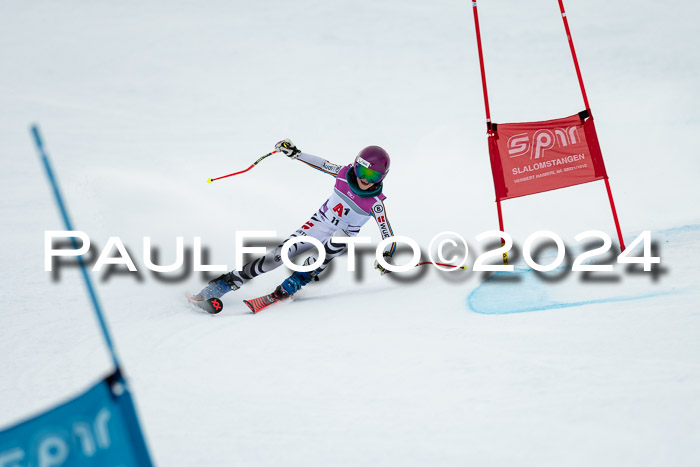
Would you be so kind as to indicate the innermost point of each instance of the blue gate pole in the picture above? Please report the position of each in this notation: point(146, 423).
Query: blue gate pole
point(66, 221)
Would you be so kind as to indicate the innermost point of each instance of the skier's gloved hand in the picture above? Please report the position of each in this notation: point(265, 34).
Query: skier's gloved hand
point(287, 148)
point(382, 269)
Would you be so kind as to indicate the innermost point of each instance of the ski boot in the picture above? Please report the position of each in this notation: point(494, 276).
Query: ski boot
point(293, 283)
point(217, 288)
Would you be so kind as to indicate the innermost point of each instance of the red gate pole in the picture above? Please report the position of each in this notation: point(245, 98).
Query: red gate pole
point(500, 226)
point(614, 213)
point(481, 64)
point(488, 113)
point(573, 54)
point(588, 107)
point(500, 215)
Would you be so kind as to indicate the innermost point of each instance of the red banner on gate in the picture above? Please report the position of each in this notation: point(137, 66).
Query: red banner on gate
point(533, 157)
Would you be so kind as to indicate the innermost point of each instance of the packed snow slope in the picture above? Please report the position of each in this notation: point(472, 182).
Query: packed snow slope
point(141, 102)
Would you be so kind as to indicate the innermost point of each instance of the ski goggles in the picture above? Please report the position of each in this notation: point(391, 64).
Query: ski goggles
point(372, 176)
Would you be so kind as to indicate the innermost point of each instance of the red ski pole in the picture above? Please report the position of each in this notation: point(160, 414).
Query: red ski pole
point(442, 264)
point(209, 180)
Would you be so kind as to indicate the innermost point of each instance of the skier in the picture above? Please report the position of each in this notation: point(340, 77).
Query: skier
point(356, 197)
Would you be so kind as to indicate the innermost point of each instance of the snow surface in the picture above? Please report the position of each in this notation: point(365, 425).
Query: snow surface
point(141, 102)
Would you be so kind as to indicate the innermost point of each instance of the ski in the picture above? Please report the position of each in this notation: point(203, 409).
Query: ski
point(211, 306)
point(257, 304)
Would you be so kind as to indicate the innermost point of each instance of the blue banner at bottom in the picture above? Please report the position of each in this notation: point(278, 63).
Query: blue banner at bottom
point(99, 427)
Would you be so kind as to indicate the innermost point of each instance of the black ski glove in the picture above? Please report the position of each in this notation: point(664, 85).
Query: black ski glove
point(287, 148)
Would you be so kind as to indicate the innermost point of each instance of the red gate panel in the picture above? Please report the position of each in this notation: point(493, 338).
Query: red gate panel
point(533, 157)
